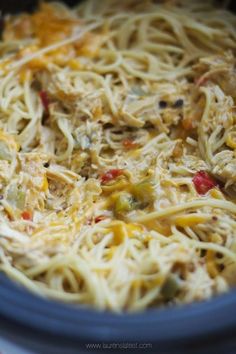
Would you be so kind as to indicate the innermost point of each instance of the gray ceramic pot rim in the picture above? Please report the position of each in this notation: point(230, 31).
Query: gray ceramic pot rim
point(157, 325)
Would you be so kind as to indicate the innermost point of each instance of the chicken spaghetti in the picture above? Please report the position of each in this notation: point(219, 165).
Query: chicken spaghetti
point(118, 152)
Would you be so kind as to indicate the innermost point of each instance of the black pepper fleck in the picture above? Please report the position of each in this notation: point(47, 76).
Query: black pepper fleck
point(46, 165)
point(162, 104)
point(179, 103)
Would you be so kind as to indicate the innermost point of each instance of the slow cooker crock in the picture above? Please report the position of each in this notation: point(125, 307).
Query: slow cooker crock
point(48, 327)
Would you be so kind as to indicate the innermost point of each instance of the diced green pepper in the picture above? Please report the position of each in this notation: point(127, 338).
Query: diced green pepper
point(20, 199)
point(170, 287)
point(123, 204)
point(143, 192)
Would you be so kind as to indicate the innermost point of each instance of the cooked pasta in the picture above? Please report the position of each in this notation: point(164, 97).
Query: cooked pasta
point(118, 152)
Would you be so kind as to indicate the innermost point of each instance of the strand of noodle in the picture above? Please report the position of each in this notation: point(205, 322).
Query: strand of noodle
point(3, 84)
point(65, 128)
point(12, 92)
point(28, 134)
point(146, 299)
point(108, 91)
point(7, 232)
point(191, 233)
point(226, 205)
point(71, 279)
point(152, 77)
point(110, 297)
point(99, 249)
point(203, 245)
point(109, 67)
point(213, 139)
point(17, 275)
point(203, 147)
point(62, 295)
point(159, 48)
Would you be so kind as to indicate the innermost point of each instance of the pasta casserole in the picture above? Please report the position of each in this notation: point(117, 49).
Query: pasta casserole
point(118, 152)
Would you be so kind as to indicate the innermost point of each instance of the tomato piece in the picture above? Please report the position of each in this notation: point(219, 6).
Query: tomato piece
point(203, 182)
point(99, 218)
point(129, 144)
point(110, 175)
point(44, 99)
point(26, 215)
point(96, 220)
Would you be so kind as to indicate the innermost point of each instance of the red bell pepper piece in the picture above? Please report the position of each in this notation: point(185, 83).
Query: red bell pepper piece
point(110, 175)
point(45, 101)
point(26, 215)
point(129, 144)
point(203, 182)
